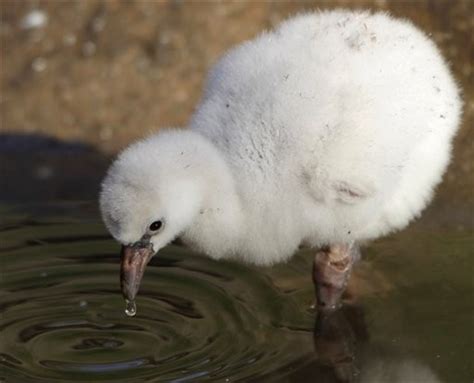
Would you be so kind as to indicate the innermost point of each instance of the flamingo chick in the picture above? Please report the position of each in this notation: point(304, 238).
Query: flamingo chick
point(331, 130)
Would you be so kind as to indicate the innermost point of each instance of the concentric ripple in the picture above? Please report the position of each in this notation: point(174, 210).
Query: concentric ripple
point(198, 320)
point(62, 315)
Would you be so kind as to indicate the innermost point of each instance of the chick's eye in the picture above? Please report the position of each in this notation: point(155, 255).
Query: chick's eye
point(156, 225)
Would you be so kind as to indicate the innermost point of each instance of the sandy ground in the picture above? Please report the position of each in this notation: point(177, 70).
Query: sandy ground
point(95, 75)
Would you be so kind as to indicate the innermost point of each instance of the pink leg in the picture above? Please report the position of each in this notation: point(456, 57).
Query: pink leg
point(331, 270)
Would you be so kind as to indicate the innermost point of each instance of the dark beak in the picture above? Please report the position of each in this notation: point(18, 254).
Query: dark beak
point(133, 261)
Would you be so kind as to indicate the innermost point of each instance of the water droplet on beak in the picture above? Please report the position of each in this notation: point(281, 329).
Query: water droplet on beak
point(130, 308)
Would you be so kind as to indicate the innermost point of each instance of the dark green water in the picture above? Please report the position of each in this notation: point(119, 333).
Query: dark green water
point(408, 318)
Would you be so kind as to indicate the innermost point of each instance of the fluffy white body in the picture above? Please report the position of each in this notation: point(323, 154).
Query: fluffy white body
point(333, 128)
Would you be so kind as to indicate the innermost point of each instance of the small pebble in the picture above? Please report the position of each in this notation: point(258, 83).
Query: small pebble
point(39, 64)
point(69, 39)
point(34, 19)
point(98, 24)
point(89, 49)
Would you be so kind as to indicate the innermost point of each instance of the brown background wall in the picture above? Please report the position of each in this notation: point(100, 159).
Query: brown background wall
point(106, 72)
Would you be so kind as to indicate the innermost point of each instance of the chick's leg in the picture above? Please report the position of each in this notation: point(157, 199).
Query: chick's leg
point(331, 270)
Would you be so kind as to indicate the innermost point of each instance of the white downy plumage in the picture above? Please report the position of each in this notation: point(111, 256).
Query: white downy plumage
point(333, 128)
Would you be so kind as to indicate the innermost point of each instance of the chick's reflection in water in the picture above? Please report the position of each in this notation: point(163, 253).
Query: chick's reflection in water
point(341, 343)
point(336, 337)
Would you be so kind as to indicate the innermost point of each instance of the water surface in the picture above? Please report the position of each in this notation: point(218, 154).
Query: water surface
point(408, 314)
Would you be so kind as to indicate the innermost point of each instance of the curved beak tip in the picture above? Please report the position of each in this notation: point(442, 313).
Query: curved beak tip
point(133, 262)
